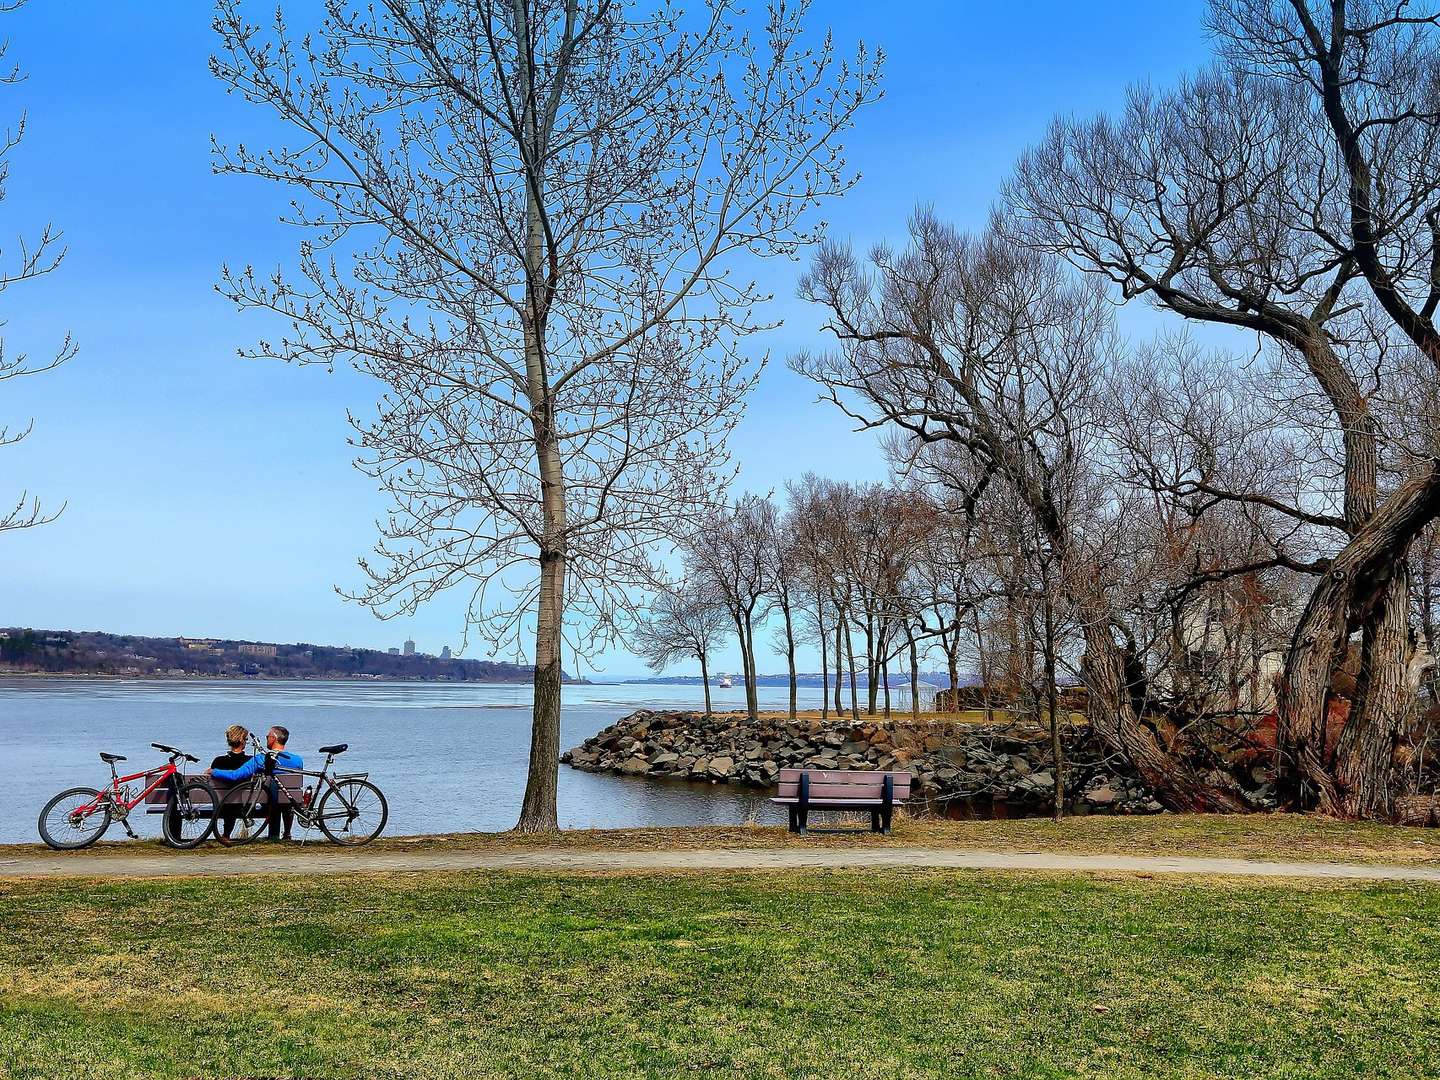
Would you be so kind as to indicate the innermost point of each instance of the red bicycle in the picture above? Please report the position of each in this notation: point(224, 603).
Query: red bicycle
point(77, 818)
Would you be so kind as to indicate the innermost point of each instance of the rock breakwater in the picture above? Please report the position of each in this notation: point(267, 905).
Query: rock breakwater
point(960, 769)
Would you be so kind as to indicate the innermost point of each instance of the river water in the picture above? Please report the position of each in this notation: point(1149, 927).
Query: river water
point(449, 756)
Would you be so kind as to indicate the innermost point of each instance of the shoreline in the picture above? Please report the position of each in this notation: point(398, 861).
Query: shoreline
point(957, 765)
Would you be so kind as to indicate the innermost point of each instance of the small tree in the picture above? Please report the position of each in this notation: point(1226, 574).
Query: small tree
point(783, 569)
point(728, 556)
point(686, 622)
point(523, 221)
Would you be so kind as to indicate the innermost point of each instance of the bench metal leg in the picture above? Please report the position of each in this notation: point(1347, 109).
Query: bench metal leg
point(802, 817)
point(874, 820)
point(794, 819)
point(885, 816)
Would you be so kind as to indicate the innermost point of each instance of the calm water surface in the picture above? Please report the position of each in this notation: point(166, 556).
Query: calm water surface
point(448, 756)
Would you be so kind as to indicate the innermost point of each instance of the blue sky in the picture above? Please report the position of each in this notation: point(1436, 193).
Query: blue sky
point(210, 495)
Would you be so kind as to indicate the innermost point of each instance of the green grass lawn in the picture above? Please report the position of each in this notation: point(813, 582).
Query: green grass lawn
point(815, 974)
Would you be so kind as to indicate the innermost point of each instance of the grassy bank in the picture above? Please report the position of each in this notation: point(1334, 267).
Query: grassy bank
point(919, 974)
point(1254, 836)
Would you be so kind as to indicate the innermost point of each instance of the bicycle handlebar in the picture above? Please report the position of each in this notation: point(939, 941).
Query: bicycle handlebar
point(175, 752)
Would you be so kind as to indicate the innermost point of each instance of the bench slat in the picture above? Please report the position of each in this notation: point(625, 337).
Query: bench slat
point(291, 785)
point(823, 803)
point(901, 786)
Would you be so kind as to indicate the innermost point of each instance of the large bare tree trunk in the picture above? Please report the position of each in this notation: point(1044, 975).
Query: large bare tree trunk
point(1364, 760)
point(1362, 576)
point(839, 663)
point(1112, 714)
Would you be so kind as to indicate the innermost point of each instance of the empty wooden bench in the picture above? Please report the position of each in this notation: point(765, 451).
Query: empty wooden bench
point(803, 790)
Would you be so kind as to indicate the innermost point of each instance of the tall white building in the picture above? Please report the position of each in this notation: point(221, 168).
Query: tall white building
point(409, 647)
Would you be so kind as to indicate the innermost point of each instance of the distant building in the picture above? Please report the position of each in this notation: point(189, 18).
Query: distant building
point(267, 651)
point(409, 647)
point(445, 653)
point(393, 651)
point(197, 644)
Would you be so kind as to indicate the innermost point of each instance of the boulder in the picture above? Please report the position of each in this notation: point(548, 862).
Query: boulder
point(634, 766)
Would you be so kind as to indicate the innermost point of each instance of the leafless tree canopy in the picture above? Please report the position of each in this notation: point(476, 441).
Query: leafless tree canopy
point(524, 220)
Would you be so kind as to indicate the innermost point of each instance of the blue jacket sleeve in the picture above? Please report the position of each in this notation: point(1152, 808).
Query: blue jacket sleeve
point(244, 772)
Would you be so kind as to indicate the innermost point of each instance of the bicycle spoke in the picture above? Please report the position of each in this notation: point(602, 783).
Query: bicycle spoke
point(74, 819)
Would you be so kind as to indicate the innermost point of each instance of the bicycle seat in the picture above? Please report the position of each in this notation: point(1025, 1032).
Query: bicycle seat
point(110, 759)
point(338, 748)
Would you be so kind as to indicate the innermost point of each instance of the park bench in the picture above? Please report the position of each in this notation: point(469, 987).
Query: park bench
point(803, 790)
point(290, 791)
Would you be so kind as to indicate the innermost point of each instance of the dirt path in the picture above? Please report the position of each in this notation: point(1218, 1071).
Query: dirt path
point(323, 861)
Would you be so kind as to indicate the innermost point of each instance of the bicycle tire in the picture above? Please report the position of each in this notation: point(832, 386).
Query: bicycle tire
point(344, 820)
point(58, 840)
point(191, 804)
point(245, 803)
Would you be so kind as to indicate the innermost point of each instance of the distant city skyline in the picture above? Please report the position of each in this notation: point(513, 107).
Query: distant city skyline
point(210, 495)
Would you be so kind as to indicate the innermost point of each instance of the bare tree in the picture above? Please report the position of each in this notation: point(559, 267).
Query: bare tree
point(808, 524)
point(783, 570)
point(1229, 201)
point(37, 256)
point(686, 622)
point(728, 556)
point(524, 217)
point(999, 351)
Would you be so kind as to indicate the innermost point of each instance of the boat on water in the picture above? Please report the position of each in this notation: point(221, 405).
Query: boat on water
point(725, 682)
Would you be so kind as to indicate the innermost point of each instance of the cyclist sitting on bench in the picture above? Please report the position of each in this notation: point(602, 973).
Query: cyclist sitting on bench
point(235, 736)
point(278, 757)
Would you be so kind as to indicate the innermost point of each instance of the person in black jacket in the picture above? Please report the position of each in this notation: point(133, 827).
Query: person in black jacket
point(235, 736)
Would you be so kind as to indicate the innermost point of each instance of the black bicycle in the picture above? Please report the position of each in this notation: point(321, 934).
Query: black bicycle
point(346, 807)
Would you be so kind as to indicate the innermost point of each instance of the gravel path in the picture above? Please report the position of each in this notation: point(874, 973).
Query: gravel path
point(229, 864)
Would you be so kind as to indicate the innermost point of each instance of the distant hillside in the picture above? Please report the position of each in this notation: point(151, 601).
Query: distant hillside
point(87, 652)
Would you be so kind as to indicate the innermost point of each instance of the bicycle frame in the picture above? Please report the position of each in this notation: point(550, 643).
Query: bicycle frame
point(325, 783)
point(112, 795)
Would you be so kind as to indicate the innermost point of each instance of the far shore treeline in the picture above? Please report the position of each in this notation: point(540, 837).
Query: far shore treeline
point(26, 651)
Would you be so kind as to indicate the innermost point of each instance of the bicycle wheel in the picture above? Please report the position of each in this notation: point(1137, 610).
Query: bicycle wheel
point(242, 814)
point(67, 825)
point(353, 812)
point(189, 814)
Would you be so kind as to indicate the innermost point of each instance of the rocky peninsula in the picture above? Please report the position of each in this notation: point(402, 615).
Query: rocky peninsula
point(960, 768)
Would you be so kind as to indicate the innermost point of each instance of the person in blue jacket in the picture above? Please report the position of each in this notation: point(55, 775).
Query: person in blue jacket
point(279, 757)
